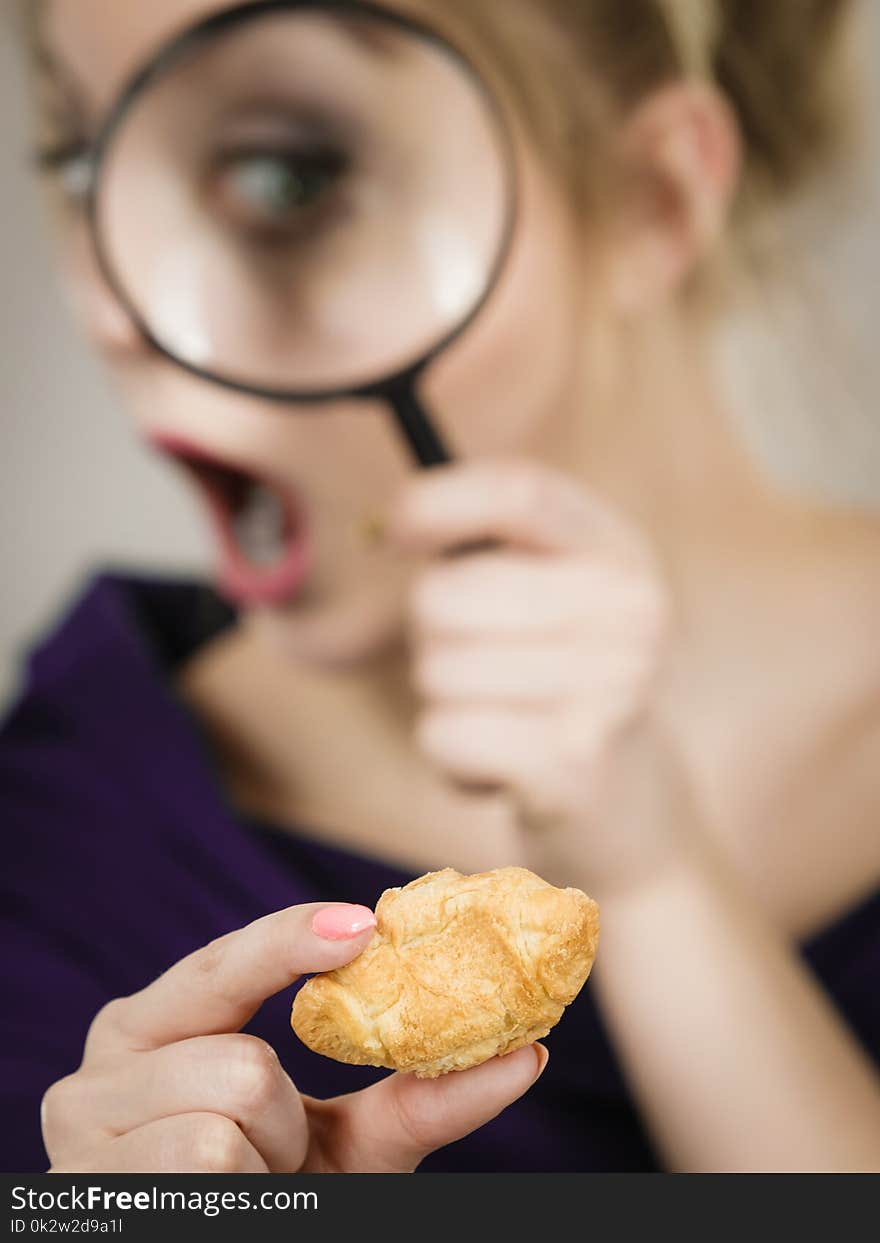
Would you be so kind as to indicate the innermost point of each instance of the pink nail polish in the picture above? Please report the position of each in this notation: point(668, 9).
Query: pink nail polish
point(342, 922)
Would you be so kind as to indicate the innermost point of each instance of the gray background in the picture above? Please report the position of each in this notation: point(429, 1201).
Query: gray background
point(77, 490)
point(76, 487)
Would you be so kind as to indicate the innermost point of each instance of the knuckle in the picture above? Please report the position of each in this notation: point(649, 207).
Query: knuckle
point(255, 1072)
point(218, 1145)
point(210, 958)
point(108, 1019)
point(58, 1102)
point(420, 1118)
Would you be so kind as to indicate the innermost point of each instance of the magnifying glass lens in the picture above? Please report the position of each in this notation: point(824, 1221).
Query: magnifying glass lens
point(307, 200)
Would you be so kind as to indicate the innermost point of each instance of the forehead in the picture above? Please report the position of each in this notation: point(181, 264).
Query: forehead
point(101, 42)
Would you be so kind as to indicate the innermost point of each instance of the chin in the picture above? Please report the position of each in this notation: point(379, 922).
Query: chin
point(342, 637)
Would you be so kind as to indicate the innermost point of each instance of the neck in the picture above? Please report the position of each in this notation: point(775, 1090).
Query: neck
point(334, 754)
point(655, 441)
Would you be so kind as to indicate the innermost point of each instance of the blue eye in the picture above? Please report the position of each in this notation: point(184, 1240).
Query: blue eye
point(275, 186)
point(274, 192)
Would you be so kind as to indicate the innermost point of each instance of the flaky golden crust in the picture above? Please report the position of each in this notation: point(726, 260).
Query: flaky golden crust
point(460, 969)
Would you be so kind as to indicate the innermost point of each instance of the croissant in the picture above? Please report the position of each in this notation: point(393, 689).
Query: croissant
point(459, 970)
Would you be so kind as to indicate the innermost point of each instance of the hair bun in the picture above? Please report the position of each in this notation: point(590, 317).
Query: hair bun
point(783, 65)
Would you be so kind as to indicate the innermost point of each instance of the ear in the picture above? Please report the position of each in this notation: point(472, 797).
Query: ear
point(682, 152)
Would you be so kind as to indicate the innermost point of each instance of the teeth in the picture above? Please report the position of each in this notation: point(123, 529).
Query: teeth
point(259, 526)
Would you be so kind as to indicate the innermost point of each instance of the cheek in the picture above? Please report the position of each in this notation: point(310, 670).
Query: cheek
point(498, 388)
point(97, 312)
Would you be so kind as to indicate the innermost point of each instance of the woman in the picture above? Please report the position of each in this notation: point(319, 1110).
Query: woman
point(658, 682)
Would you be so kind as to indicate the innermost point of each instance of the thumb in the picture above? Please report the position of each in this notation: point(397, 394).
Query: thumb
point(392, 1126)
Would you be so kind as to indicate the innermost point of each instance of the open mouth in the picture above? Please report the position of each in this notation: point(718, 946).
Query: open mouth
point(260, 524)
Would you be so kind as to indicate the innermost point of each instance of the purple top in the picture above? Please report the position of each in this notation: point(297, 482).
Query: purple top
point(121, 855)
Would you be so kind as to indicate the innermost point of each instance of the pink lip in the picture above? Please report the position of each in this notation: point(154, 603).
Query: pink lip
point(238, 579)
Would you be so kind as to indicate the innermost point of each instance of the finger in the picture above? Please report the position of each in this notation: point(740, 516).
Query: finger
point(392, 1126)
point(238, 1077)
point(509, 594)
point(508, 673)
point(518, 502)
point(220, 987)
point(467, 672)
point(485, 745)
point(186, 1144)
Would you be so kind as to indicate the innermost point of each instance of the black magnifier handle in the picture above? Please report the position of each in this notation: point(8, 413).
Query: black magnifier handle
point(417, 429)
point(425, 443)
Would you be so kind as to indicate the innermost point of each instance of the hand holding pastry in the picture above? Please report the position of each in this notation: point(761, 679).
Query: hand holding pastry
point(169, 1084)
point(536, 659)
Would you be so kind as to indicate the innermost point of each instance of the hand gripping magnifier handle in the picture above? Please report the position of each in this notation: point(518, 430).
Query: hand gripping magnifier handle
point(425, 443)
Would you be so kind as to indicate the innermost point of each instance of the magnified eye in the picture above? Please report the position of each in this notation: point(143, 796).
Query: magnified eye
point(274, 194)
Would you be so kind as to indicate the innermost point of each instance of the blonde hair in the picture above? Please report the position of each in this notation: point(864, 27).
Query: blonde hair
point(784, 66)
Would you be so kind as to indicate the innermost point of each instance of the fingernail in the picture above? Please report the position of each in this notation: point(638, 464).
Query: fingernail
point(342, 922)
point(543, 1057)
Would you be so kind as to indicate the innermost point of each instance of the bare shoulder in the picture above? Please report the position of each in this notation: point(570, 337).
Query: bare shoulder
point(844, 576)
point(839, 821)
point(817, 781)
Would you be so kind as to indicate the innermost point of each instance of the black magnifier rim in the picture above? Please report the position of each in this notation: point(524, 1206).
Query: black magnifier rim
point(161, 63)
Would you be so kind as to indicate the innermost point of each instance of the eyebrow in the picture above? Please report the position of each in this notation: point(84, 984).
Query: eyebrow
point(367, 32)
point(51, 67)
point(372, 33)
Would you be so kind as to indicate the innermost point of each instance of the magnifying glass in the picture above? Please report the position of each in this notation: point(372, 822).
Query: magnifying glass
point(306, 201)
